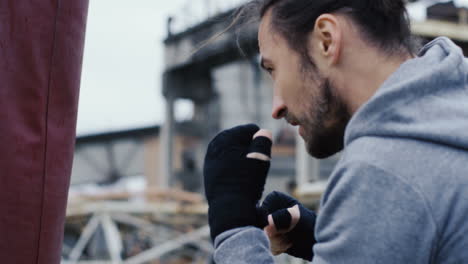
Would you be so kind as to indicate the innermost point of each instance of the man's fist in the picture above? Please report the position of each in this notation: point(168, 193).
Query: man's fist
point(290, 226)
point(235, 170)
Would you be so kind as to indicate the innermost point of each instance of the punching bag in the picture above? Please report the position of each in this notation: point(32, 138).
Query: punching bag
point(41, 51)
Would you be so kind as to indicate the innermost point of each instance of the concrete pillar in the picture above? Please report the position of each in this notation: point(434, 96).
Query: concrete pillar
point(463, 16)
point(167, 142)
point(307, 168)
point(153, 151)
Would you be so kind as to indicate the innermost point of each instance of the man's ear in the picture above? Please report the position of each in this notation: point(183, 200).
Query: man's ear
point(326, 40)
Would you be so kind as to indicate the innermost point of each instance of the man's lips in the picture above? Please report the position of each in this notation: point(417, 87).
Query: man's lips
point(293, 123)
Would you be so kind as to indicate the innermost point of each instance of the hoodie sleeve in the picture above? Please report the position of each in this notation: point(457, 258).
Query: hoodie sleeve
point(246, 245)
point(369, 215)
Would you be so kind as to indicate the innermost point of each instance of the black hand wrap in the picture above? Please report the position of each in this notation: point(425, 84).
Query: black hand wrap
point(233, 182)
point(261, 145)
point(302, 235)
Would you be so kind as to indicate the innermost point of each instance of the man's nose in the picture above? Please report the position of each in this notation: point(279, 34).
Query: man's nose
point(279, 108)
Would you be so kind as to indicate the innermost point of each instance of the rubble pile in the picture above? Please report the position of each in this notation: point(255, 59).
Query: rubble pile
point(148, 226)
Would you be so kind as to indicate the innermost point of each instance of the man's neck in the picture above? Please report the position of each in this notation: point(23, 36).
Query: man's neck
point(365, 79)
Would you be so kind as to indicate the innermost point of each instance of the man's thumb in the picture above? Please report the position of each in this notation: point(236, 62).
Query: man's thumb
point(282, 219)
point(261, 144)
point(285, 220)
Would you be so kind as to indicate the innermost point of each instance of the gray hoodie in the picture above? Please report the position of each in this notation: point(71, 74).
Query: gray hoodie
point(399, 194)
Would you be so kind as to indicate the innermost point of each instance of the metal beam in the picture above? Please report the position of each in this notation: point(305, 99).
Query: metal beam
point(435, 28)
point(135, 208)
point(167, 150)
point(88, 232)
point(113, 238)
point(87, 262)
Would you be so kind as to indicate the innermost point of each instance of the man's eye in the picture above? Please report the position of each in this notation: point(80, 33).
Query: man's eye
point(269, 70)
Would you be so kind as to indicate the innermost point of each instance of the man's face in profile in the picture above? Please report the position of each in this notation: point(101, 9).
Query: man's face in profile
point(302, 95)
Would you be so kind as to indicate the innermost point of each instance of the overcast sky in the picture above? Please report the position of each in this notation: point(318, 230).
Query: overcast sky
point(123, 60)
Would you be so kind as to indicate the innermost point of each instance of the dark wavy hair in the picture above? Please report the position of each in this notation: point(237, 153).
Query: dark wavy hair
point(383, 23)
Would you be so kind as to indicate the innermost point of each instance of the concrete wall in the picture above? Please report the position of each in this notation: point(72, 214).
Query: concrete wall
point(91, 162)
point(132, 156)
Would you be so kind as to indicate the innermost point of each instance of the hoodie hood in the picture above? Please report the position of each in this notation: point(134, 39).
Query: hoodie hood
point(425, 99)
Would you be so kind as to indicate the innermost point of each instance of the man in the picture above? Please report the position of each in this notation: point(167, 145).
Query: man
point(346, 73)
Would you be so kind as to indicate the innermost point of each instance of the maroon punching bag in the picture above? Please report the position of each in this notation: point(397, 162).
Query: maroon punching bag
point(41, 50)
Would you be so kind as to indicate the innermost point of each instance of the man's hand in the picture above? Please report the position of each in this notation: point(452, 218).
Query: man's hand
point(236, 165)
point(290, 226)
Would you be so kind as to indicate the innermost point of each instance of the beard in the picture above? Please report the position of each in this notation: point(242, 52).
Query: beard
point(324, 120)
